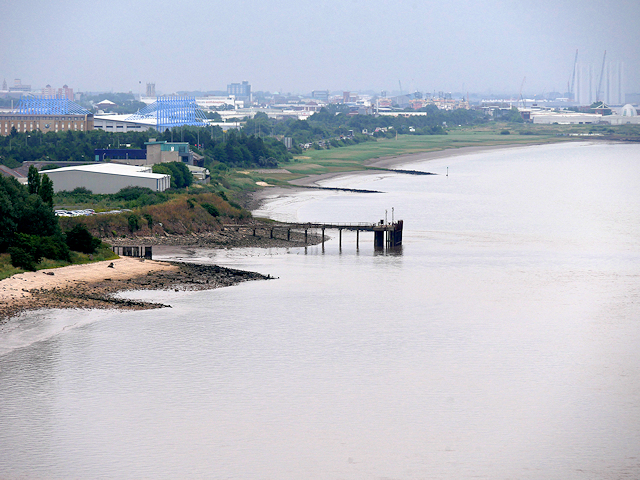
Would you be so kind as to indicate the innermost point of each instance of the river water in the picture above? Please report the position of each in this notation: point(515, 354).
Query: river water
point(500, 342)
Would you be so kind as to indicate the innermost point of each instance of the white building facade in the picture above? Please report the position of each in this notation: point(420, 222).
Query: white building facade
point(107, 178)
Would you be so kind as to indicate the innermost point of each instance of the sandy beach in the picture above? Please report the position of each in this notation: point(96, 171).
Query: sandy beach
point(93, 285)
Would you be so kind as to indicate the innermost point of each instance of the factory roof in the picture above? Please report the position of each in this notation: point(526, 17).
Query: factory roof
point(110, 169)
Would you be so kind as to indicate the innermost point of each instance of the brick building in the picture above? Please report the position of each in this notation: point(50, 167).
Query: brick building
point(46, 115)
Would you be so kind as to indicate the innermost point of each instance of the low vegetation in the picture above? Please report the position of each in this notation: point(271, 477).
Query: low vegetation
point(31, 237)
point(182, 214)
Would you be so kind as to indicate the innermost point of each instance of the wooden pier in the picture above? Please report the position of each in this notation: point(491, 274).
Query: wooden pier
point(385, 235)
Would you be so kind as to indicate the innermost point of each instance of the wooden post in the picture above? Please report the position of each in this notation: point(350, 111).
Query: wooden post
point(323, 237)
point(357, 238)
point(288, 234)
point(305, 236)
point(340, 237)
point(271, 233)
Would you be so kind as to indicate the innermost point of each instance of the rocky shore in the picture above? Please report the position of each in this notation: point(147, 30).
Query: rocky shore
point(94, 285)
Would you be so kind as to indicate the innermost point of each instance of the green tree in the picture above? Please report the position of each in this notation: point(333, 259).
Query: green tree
point(37, 218)
point(180, 175)
point(46, 190)
point(33, 180)
point(164, 169)
point(23, 213)
point(8, 220)
point(27, 250)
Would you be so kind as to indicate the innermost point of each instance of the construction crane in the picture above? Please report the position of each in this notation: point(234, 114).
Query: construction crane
point(601, 76)
point(573, 78)
point(521, 99)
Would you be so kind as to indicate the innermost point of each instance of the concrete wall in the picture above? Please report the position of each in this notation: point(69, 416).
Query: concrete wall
point(153, 153)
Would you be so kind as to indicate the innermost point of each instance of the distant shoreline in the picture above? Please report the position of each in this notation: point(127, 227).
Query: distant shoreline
point(383, 163)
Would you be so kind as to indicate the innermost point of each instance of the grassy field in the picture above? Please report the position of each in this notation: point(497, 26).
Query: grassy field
point(354, 158)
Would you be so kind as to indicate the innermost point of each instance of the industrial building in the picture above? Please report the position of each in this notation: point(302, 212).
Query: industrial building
point(623, 116)
point(107, 178)
point(619, 116)
point(163, 151)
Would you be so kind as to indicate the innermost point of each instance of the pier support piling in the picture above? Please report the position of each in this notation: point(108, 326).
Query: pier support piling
point(378, 239)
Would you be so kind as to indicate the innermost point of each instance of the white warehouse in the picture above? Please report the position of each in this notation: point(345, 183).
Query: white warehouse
point(107, 178)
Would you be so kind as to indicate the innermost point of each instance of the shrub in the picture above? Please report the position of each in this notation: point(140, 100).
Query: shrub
point(134, 223)
point(54, 248)
point(212, 209)
point(149, 219)
point(80, 239)
point(22, 259)
point(132, 193)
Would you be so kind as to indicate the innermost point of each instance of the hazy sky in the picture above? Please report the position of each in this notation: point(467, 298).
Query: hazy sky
point(299, 46)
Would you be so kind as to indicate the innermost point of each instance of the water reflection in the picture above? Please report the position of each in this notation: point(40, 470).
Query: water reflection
point(390, 251)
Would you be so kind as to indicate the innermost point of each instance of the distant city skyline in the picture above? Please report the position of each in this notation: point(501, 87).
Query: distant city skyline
point(459, 46)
